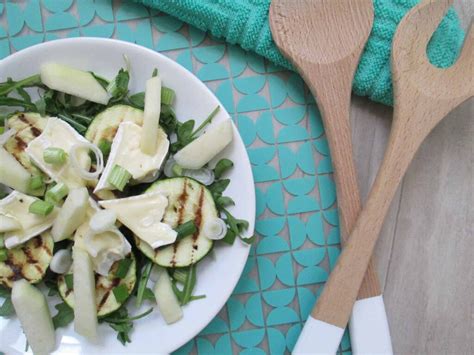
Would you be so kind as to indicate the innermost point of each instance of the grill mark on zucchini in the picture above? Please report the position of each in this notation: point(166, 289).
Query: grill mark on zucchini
point(20, 143)
point(29, 257)
point(35, 131)
point(198, 222)
point(104, 285)
point(23, 118)
point(108, 291)
point(183, 197)
point(17, 271)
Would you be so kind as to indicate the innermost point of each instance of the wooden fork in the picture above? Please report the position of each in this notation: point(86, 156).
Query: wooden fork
point(424, 95)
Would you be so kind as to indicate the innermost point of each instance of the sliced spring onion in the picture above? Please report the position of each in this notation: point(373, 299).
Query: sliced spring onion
point(167, 96)
point(57, 193)
point(186, 229)
point(215, 228)
point(3, 254)
point(5, 136)
point(102, 221)
point(41, 208)
point(61, 261)
point(105, 146)
point(120, 292)
point(204, 175)
point(177, 170)
point(123, 267)
point(99, 159)
point(119, 177)
point(55, 156)
point(69, 280)
point(36, 182)
point(168, 168)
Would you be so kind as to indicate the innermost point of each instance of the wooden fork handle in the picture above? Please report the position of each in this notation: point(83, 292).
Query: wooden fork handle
point(335, 304)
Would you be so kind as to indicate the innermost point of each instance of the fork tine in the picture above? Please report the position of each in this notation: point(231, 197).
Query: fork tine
point(430, 13)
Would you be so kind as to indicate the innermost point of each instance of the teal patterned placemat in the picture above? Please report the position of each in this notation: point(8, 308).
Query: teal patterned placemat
point(297, 221)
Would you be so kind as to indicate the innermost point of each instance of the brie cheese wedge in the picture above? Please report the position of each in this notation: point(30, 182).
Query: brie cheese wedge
point(16, 206)
point(143, 214)
point(104, 248)
point(126, 152)
point(59, 134)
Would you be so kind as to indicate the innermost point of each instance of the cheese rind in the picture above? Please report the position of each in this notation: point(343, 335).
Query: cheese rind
point(59, 134)
point(143, 214)
point(126, 152)
point(16, 205)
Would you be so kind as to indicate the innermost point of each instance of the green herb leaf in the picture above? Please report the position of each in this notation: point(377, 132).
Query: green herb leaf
point(224, 201)
point(121, 293)
point(143, 282)
point(123, 267)
point(64, 316)
point(7, 310)
point(229, 238)
point(10, 85)
point(148, 295)
point(138, 100)
point(5, 292)
point(189, 284)
point(68, 279)
point(222, 166)
point(250, 240)
point(206, 121)
point(118, 87)
point(219, 186)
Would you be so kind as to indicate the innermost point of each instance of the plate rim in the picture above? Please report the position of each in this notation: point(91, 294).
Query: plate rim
point(29, 51)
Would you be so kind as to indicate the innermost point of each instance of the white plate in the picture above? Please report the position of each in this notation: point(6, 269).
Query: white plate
point(217, 275)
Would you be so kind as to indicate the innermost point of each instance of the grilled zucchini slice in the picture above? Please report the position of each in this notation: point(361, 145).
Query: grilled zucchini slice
point(105, 124)
point(28, 261)
point(188, 200)
point(28, 126)
point(104, 285)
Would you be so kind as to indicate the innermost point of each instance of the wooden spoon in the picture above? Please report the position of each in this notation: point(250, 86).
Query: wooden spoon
point(424, 95)
point(324, 40)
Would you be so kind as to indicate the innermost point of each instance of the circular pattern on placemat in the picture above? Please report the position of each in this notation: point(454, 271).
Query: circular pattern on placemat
point(297, 221)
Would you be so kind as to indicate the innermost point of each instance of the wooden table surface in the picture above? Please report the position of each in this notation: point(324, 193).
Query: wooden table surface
point(425, 252)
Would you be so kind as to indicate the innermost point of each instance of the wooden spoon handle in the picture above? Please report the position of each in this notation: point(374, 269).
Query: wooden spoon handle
point(333, 98)
point(334, 306)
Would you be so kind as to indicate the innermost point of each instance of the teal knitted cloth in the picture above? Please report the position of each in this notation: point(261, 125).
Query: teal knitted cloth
point(245, 22)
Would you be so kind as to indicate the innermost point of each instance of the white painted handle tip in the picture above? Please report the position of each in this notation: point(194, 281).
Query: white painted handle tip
point(318, 337)
point(370, 334)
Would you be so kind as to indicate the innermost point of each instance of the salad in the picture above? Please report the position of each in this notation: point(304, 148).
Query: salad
point(106, 199)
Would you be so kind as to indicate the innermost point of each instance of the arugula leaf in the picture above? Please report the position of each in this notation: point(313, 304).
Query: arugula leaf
point(218, 187)
point(12, 102)
point(118, 87)
point(189, 285)
point(143, 281)
point(4, 292)
point(64, 316)
point(149, 295)
point(10, 85)
point(250, 240)
point(222, 166)
point(224, 201)
point(7, 310)
point(122, 323)
point(138, 100)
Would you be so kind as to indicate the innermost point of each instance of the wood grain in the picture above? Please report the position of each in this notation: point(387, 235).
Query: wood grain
point(327, 61)
point(425, 267)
